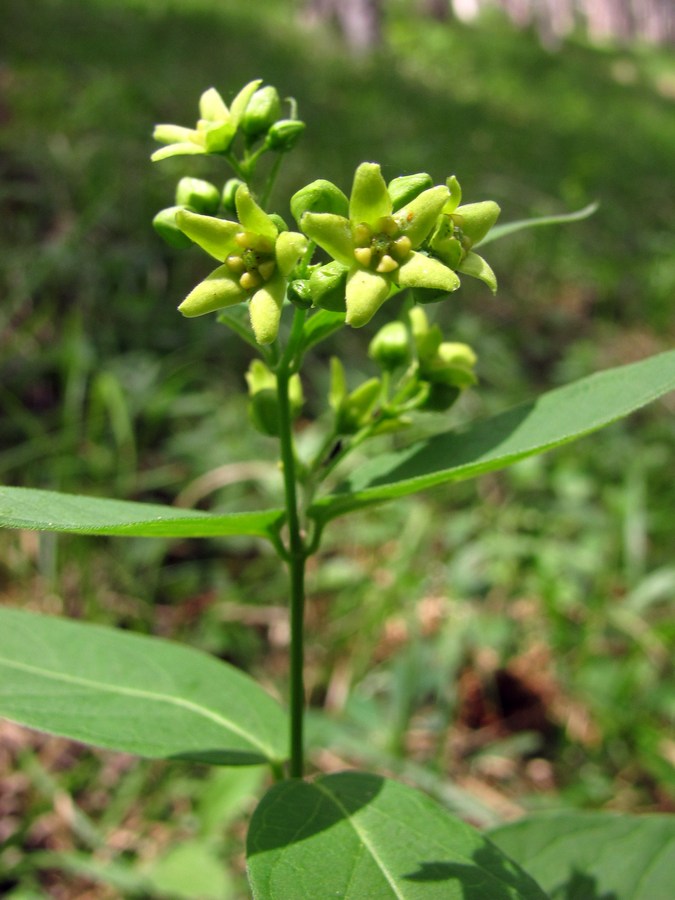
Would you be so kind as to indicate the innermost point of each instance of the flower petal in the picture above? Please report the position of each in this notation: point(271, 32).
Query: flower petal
point(212, 106)
point(333, 233)
point(216, 236)
point(423, 271)
point(366, 292)
point(252, 217)
point(265, 310)
point(370, 198)
point(189, 147)
point(240, 102)
point(216, 291)
point(476, 219)
point(173, 134)
point(289, 248)
point(475, 265)
point(418, 218)
point(217, 135)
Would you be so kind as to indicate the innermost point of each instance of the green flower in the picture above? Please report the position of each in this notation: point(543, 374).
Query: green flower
point(257, 259)
point(216, 126)
point(379, 246)
point(459, 228)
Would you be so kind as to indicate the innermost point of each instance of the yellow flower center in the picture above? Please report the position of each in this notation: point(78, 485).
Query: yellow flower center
point(255, 262)
point(382, 248)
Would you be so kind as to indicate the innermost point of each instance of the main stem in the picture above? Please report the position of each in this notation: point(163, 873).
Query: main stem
point(296, 557)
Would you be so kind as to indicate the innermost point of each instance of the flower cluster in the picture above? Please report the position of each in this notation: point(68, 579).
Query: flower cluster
point(257, 260)
point(215, 129)
point(384, 238)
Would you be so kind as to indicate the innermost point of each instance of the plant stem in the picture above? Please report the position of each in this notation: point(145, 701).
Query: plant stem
point(296, 558)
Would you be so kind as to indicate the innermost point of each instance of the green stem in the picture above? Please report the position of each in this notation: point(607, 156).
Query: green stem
point(295, 557)
point(271, 179)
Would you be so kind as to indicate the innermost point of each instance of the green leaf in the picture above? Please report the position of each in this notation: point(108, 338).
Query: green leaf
point(580, 856)
point(134, 694)
point(557, 417)
point(355, 835)
point(500, 231)
point(50, 511)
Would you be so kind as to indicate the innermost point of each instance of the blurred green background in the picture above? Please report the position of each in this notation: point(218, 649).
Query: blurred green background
point(506, 644)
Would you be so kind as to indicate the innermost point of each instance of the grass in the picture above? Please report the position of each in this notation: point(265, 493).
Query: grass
point(504, 643)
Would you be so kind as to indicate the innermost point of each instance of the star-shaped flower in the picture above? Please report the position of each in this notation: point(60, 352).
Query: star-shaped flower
point(257, 260)
point(215, 129)
point(378, 245)
point(461, 227)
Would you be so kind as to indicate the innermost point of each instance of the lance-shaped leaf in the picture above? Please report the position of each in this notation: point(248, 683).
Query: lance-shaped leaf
point(50, 511)
point(354, 835)
point(557, 417)
point(133, 693)
point(580, 855)
point(507, 228)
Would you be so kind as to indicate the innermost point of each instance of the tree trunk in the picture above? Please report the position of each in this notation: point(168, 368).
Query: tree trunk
point(359, 21)
point(436, 9)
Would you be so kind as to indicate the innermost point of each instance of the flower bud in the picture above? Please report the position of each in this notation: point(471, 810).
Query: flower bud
point(427, 338)
point(452, 365)
point(165, 225)
point(440, 398)
point(263, 404)
point(320, 196)
point(284, 135)
point(201, 196)
point(327, 286)
point(390, 348)
point(263, 411)
point(278, 221)
point(357, 408)
point(262, 110)
point(406, 187)
point(229, 193)
point(299, 294)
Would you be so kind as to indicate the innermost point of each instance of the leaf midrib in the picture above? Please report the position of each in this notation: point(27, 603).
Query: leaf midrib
point(142, 694)
point(363, 837)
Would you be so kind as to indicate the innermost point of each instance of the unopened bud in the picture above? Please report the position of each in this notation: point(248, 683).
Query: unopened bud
point(327, 286)
point(357, 408)
point(320, 196)
point(229, 193)
point(440, 398)
point(262, 111)
point(165, 225)
point(263, 404)
point(452, 364)
point(390, 348)
point(284, 134)
point(201, 196)
point(278, 221)
point(299, 293)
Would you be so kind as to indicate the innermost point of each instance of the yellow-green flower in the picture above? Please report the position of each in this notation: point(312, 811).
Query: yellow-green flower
point(461, 227)
point(379, 246)
point(257, 260)
point(215, 129)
